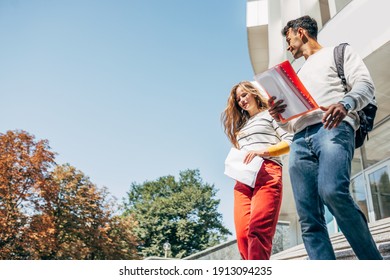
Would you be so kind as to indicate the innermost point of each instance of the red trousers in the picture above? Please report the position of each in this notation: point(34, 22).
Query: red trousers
point(256, 212)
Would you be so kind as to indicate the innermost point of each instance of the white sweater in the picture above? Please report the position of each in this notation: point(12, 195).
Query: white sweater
point(319, 75)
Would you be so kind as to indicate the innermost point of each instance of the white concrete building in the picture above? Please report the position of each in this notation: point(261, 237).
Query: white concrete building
point(365, 25)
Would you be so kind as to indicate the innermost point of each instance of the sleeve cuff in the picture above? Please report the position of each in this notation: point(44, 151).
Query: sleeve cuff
point(349, 100)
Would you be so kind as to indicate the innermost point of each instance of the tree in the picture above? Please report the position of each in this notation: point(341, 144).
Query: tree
point(85, 226)
point(24, 186)
point(55, 212)
point(183, 213)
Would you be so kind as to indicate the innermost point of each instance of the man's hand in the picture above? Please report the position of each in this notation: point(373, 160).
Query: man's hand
point(333, 116)
point(276, 108)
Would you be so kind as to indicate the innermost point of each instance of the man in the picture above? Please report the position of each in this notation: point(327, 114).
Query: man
point(323, 145)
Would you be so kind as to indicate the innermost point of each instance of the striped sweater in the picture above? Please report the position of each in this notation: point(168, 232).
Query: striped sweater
point(262, 132)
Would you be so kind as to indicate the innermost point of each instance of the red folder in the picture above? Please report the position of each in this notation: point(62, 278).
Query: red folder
point(282, 82)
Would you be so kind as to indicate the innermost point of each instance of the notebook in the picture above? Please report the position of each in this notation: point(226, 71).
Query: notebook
point(282, 82)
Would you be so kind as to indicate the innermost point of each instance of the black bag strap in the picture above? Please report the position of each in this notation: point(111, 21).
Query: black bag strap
point(338, 54)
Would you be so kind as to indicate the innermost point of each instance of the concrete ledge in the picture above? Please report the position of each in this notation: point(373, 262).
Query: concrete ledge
point(224, 251)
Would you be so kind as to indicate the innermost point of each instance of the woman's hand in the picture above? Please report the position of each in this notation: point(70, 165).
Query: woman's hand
point(251, 154)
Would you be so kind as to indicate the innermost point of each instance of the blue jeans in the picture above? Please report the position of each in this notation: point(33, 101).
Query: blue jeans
point(320, 167)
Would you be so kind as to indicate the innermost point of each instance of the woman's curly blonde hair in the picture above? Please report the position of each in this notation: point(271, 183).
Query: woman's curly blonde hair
point(234, 117)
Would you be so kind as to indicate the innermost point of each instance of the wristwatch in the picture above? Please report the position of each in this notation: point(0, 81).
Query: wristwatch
point(346, 106)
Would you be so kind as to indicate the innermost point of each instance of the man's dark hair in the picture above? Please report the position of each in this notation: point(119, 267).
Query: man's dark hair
point(306, 22)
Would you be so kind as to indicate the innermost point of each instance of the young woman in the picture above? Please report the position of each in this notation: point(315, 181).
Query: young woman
point(250, 127)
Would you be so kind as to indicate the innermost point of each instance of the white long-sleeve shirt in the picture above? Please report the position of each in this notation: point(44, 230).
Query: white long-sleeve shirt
point(319, 76)
point(260, 132)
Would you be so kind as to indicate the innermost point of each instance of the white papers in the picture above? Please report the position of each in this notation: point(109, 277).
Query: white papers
point(276, 86)
point(282, 82)
point(236, 168)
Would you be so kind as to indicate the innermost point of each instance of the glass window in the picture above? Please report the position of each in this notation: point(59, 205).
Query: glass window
point(358, 193)
point(380, 191)
point(377, 148)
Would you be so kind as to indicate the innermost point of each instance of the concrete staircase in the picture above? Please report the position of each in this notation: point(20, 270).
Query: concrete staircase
point(228, 250)
point(380, 231)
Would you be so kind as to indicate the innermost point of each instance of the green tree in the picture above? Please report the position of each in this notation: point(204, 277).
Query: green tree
point(183, 213)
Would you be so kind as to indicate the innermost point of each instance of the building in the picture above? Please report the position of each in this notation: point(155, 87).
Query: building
point(365, 25)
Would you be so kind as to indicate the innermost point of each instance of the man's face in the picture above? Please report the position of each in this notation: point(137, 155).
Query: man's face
point(294, 42)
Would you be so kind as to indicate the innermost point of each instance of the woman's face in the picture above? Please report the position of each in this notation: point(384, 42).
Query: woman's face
point(246, 101)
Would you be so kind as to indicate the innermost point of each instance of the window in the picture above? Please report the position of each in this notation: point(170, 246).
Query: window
point(380, 190)
point(359, 194)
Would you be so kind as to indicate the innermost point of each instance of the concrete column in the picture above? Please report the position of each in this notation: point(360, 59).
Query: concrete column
point(332, 8)
point(276, 47)
point(312, 8)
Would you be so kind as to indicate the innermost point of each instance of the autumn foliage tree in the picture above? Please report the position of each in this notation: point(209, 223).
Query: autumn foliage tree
point(54, 212)
point(85, 226)
point(24, 189)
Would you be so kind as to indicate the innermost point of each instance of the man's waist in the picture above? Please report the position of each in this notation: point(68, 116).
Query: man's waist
point(315, 118)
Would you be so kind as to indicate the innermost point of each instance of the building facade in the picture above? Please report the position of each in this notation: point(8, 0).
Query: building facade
point(365, 25)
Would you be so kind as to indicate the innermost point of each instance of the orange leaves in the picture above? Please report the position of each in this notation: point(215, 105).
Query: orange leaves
point(22, 177)
point(54, 212)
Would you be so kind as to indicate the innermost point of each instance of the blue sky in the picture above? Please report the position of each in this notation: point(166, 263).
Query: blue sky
point(125, 91)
